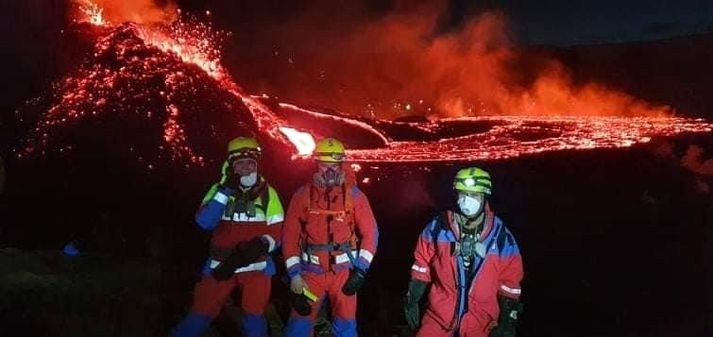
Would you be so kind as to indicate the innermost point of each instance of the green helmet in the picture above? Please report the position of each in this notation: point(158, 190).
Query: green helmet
point(473, 179)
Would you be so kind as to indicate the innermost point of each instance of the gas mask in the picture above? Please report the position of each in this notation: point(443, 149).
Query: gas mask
point(469, 205)
point(329, 175)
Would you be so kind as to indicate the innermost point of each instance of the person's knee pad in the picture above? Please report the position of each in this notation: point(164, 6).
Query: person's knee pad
point(254, 325)
point(344, 327)
point(194, 325)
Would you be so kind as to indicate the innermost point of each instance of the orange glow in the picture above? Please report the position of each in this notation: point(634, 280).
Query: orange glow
point(605, 118)
point(399, 65)
point(303, 141)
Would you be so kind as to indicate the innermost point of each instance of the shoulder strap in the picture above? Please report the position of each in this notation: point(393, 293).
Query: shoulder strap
point(308, 206)
point(348, 190)
point(441, 223)
point(348, 198)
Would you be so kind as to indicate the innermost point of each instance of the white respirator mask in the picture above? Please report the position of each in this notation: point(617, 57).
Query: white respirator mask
point(249, 180)
point(468, 205)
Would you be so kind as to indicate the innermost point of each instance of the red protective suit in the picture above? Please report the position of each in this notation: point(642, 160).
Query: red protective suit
point(254, 280)
point(327, 232)
point(229, 232)
point(456, 304)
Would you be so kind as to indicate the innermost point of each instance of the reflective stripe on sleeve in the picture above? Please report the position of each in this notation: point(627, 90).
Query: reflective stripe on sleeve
point(514, 291)
point(292, 261)
point(221, 198)
point(367, 255)
point(419, 269)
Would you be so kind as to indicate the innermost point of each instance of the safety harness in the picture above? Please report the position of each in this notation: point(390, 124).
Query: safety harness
point(347, 214)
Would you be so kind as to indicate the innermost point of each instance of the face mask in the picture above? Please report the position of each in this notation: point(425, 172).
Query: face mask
point(249, 180)
point(468, 205)
point(330, 176)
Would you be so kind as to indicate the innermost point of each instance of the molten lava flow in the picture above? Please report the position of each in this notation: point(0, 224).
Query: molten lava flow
point(303, 141)
point(165, 83)
point(514, 136)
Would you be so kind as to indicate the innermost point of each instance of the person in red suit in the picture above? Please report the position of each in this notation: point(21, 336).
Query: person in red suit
point(245, 215)
point(473, 264)
point(329, 240)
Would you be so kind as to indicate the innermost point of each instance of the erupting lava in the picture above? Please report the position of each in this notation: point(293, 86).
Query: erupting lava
point(513, 136)
point(172, 72)
point(303, 141)
point(92, 13)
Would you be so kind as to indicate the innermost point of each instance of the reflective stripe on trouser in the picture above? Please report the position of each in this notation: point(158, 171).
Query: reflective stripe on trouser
point(343, 307)
point(210, 296)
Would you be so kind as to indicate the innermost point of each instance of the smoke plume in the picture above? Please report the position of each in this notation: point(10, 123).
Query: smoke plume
point(402, 62)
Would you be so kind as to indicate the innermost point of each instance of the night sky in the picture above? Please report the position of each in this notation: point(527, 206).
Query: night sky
point(565, 22)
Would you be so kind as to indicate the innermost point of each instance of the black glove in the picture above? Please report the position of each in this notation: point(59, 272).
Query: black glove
point(243, 255)
point(354, 282)
point(301, 304)
point(232, 180)
point(510, 311)
point(416, 289)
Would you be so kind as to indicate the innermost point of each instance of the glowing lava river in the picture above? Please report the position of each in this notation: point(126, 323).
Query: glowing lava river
point(508, 138)
point(171, 76)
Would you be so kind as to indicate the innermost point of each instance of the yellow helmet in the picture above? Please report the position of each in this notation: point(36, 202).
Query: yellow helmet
point(473, 179)
point(329, 150)
point(244, 147)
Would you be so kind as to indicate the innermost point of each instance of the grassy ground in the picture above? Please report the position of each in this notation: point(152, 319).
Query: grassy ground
point(48, 294)
point(44, 293)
